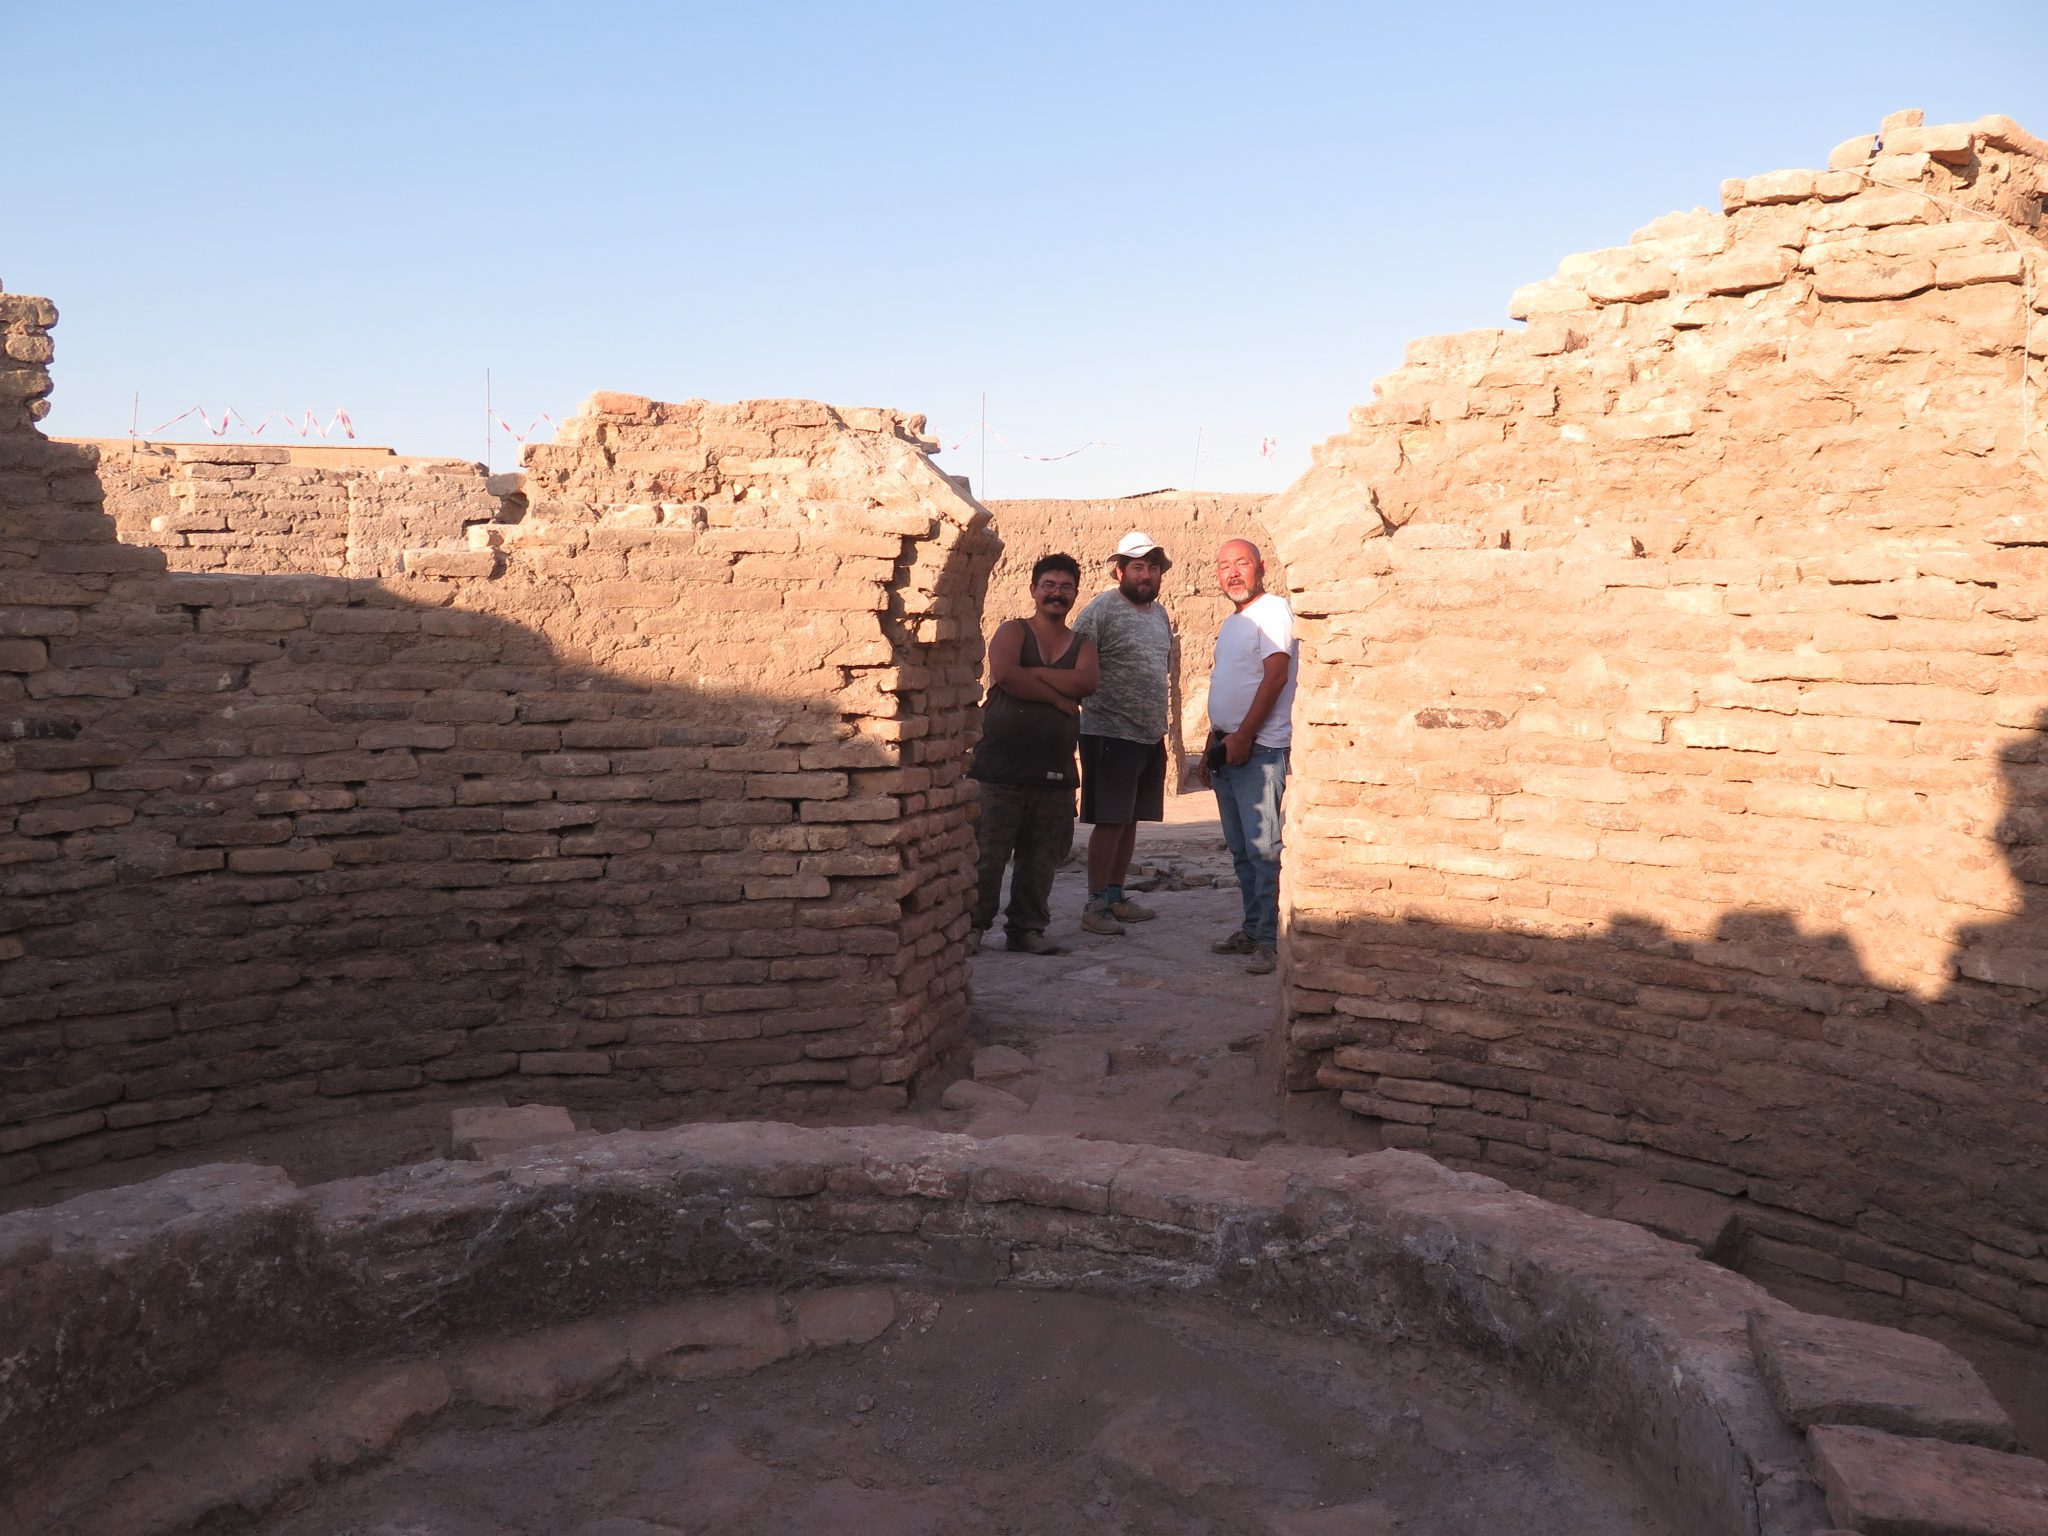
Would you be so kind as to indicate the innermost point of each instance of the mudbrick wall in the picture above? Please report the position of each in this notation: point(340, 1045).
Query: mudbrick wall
point(1670, 802)
point(311, 510)
point(1188, 526)
point(645, 802)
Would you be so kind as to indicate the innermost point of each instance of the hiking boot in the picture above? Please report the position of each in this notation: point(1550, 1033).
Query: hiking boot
point(1128, 911)
point(1261, 963)
point(975, 935)
point(1097, 920)
point(1239, 943)
point(1032, 944)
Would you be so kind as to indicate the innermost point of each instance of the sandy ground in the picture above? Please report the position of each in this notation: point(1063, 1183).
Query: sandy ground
point(1147, 1037)
point(1007, 1412)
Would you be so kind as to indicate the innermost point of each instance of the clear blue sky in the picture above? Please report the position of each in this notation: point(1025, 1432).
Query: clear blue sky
point(1122, 222)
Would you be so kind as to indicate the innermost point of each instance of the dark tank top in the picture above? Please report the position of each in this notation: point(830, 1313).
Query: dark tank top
point(1024, 741)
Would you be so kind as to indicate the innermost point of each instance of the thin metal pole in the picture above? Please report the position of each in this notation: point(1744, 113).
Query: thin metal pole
point(1197, 475)
point(982, 486)
point(134, 412)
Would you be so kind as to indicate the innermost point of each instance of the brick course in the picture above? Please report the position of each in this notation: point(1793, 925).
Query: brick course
point(304, 509)
point(1668, 783)
point(636, 790)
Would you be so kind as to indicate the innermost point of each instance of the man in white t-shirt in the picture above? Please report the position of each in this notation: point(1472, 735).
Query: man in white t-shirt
point(1251, 707)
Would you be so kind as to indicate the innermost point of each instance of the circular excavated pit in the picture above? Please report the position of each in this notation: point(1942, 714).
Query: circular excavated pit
point(738, 1327)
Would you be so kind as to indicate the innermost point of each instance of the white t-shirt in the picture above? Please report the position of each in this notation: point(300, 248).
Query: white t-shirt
point(1263, 627)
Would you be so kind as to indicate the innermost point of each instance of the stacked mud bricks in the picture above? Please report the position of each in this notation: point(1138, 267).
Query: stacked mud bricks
point(312, 510)
point(1670, 800)
point(637, 791)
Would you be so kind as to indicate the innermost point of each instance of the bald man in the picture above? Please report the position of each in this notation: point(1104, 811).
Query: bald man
point(1251, 706)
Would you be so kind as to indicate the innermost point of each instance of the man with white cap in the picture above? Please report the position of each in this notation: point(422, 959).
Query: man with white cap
point(1123, 726)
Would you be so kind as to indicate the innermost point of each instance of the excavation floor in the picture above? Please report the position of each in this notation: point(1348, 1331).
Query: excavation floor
point(1020, 1413)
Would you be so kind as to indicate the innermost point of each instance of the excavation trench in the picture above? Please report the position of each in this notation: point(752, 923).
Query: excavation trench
point(861, 1319)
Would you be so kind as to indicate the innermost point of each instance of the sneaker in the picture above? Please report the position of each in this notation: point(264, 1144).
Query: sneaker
point(1239, 943)
point(1128, 911)
point(1097, 920)
point(1261, 962)
point(1032, 944)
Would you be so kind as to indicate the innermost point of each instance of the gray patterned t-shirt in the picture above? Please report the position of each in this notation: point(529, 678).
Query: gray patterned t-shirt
point(1136, 643)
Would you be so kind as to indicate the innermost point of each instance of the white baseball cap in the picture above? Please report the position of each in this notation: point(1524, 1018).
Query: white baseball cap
point(1138, 545)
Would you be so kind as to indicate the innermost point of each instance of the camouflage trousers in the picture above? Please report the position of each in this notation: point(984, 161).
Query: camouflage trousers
point(1035, 826)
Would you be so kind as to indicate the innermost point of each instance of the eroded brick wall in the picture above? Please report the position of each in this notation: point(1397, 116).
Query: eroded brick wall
point(646, 803)
point(305, 510)
point(1670, 804)
point(1189, 526)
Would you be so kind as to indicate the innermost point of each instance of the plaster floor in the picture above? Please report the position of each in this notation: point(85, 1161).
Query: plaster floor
point(1012, 1413)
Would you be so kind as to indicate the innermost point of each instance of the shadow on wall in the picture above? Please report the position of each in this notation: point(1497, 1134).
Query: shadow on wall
point(1756, 1092)
point(282, 843)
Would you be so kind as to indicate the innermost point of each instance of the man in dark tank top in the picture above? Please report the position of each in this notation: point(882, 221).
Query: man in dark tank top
point(1039, 671)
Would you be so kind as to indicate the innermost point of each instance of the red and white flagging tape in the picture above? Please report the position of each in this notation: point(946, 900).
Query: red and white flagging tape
point(307, 425)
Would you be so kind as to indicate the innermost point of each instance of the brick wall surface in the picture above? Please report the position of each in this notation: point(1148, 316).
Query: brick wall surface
point(307, 510)
point(1669, 799)
point(1188, 526)
point(646, 802)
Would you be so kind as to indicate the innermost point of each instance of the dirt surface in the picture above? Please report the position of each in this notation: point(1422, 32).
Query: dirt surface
point(1147, 1037)
point(1006, 1412)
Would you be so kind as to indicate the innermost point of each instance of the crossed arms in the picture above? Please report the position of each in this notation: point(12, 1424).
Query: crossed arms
point(1061, 687)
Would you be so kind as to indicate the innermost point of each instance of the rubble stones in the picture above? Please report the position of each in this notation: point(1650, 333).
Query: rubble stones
point(970, 1094)
point(488, 1130)
point(1000, 1064)
point(1888, 1485)
point(1824, 1370)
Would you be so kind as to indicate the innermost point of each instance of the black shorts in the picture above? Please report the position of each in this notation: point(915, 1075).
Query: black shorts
point(1122, 781)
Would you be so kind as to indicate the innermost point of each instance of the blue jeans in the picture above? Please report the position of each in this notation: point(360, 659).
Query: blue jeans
point(1248, 798)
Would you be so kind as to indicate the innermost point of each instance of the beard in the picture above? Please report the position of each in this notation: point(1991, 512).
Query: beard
point(1136, 592)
